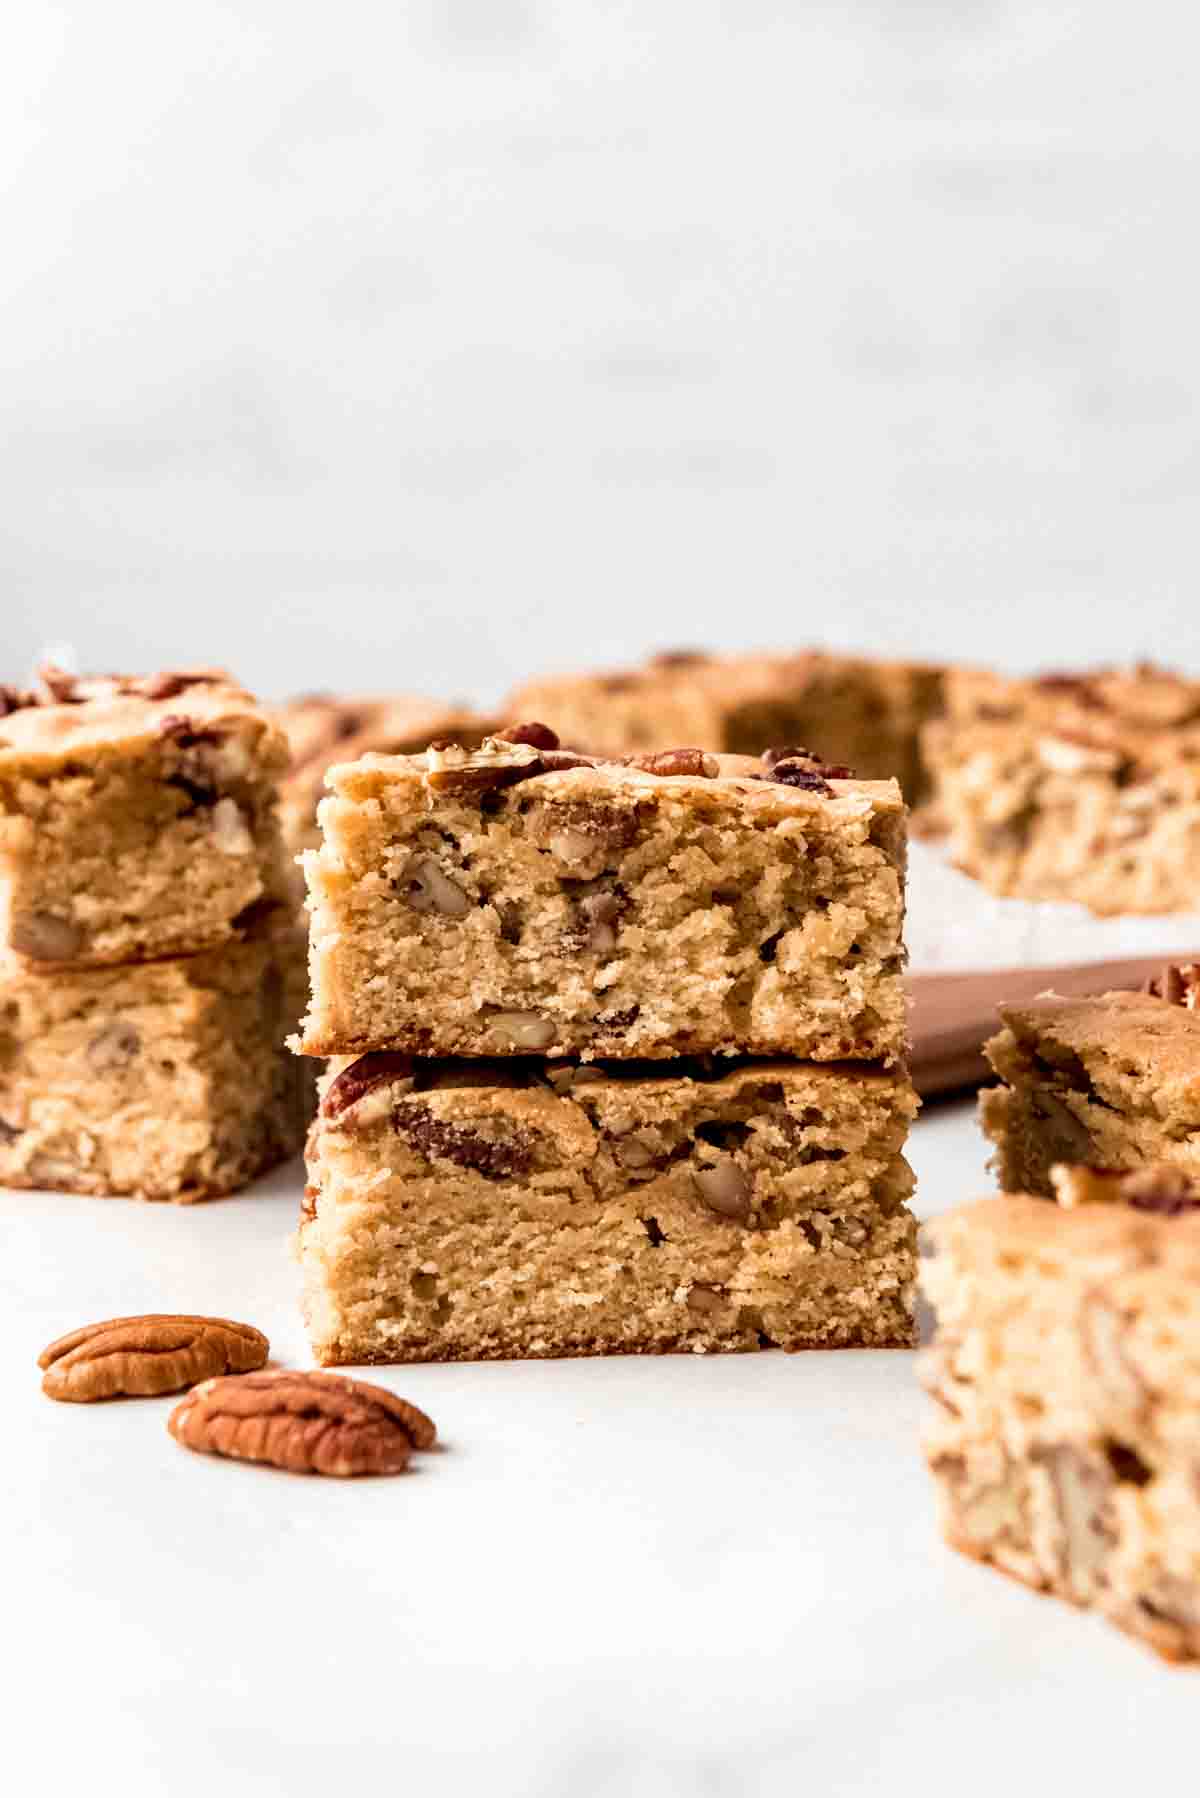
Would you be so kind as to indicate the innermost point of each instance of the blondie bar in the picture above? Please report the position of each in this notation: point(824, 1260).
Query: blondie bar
point(322, 730)
point(138, 817)
point(1066, 1375)
point(1109, 1082)
point(461, 1211)
point(851, 709)
point(519, 899)
point(1073, 787)
point(164, 1079)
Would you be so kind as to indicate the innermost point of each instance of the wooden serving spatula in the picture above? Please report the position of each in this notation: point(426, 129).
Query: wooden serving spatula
point(954, 1014)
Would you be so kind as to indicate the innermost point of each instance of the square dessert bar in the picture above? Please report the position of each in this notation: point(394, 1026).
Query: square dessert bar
point(322, 730)
point(1107, 1082)
point(138, 817)
point(163, 1079)
point(464, 1211)
point(1066, 1375)
point(850, 709)
point(524, 900)
point(1073, 787)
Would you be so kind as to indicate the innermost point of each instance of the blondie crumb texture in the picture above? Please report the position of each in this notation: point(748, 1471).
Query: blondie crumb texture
point(1082, 788)
point(1108, 1082)
point(520, 901)
point(138, 817)
point(849, 709)
point(323, 730)
point(463, 1211)
point(165, 1080)
point(1066, 1379)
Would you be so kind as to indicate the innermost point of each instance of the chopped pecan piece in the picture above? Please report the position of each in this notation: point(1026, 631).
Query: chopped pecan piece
point(495, 1157)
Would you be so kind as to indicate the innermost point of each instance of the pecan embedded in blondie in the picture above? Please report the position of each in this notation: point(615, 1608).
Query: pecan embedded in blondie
point(520, 899)
point(470, 1210)
point(1066, 1378)
point(138, 817)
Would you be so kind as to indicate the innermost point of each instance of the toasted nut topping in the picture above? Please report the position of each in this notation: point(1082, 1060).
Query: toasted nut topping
point(143, 1357)
point(666, 762)
point(427, 889)
point(43, 936)
point(525, 1029)
point(724, 1188)
point(538, 736)
point(230, 831)
point(303, 1422)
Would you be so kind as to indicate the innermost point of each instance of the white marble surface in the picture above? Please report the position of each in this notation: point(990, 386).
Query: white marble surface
point(428, 343)
point(673, 1578)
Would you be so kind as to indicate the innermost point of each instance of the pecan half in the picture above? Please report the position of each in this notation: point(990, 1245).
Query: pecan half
point(143, 1357)
point(302, 1422)
point(355, 1082)
point(537, 736)
point(668, 762)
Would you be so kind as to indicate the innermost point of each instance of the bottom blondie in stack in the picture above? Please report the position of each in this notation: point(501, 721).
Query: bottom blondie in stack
point(648, 1166)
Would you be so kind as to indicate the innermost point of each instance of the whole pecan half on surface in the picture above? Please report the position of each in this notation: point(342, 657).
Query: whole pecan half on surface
point(303, 1423)
point(145, 1357)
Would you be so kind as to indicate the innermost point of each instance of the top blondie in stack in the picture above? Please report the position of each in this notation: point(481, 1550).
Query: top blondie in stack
point(147, 943)
point(617, 1054)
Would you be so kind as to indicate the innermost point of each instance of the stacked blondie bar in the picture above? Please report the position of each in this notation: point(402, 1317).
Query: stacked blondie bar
point(149, 956)
point(617, 1056)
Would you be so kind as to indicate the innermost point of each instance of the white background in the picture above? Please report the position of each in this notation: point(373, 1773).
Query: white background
point(426, 343)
